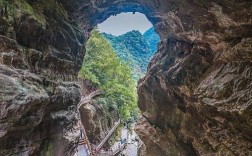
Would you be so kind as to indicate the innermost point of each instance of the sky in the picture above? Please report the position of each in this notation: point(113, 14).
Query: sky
point(125, 22)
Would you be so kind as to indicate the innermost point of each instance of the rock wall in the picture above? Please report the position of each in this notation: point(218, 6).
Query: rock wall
point(196, 95)
point(41, 51)
point(197, 91)
point(200, 102)
point(97, 116)
point(97, 120)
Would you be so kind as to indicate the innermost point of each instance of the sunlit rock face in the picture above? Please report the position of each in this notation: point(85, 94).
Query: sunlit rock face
point(198, 88)
point(41, 51)
point(198, 100)
point(196, 95)
point(98, 121)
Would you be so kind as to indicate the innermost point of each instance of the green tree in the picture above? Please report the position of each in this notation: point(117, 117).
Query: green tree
point(103, 68)
point(135, 49)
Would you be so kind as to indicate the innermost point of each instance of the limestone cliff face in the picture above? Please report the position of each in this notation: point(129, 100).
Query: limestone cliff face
point(196, 96)
point(201, 102)
point(41, 51)
point(96, 116)
point(97, 120)
point(198, 89)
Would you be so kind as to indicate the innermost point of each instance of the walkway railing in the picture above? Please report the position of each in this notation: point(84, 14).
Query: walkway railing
point(90, 151)
point(83, 101)
point(118, 150)
point(108, 135)
point(86, 99)
point(112, 153)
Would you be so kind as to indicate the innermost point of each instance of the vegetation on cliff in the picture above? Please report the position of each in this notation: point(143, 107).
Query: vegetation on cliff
point(152, 39)
point(135, 49)
point(104, 69)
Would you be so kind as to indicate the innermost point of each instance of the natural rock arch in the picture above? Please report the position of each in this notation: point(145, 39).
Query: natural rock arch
point(189, 93)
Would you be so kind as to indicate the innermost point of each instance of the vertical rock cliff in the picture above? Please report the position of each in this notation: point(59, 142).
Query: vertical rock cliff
point(198, 103)
point(197, 92)
point(41, 51)
point(195, 98)
point(98, 121)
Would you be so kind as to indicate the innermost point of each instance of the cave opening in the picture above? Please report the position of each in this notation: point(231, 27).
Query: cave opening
point(200, 76)
point(117, 55)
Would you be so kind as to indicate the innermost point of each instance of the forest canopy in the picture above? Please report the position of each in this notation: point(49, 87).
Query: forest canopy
point(105, 70)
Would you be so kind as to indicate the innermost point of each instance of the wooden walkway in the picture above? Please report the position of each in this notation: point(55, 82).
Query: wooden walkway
point(108, 135)
point(118, 150)
point(112, 153)
point(84, 141)
point(86, 99)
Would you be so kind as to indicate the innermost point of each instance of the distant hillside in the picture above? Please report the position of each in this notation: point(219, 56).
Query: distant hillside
point(152, 39)
point(135, 48)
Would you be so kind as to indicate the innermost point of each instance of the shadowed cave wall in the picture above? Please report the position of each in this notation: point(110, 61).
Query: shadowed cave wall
point(195, 97)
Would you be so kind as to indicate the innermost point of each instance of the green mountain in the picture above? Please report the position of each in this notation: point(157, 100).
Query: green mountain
point(152, 39)
point(135, 49)
point(103, 69)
